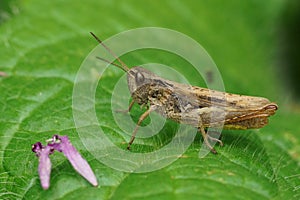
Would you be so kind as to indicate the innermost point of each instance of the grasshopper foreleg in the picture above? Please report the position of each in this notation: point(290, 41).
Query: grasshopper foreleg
point(142, 117)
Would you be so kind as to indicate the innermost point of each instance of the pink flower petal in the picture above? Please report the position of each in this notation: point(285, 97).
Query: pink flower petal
point(45, 167)
point(78, 163)
point(61, 144)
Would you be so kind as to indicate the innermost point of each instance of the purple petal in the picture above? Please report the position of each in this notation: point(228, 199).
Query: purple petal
point(78, 163)
point(45, 166)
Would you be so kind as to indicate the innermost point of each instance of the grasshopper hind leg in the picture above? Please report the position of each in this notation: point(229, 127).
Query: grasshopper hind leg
point(207, 137)
point(214, 139)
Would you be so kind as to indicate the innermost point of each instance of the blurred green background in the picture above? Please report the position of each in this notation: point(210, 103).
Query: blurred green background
point(254, 44)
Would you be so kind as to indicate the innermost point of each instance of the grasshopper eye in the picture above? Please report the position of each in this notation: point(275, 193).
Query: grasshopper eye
point(139, 77)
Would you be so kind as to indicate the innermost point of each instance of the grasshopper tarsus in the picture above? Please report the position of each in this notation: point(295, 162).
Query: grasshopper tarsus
point(213, 151)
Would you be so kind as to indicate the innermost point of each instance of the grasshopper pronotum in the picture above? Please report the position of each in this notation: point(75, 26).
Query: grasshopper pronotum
point(199, 107)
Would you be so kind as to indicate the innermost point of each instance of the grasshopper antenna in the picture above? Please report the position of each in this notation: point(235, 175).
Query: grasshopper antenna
point(122, 66)
point(103, 59)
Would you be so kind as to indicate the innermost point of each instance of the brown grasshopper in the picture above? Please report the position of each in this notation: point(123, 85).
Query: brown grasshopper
point(193, 105)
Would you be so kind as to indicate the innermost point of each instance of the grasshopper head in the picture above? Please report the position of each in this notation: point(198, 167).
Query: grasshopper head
point(138, 77)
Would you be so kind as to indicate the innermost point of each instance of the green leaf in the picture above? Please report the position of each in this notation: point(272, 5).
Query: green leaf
point(42, 47)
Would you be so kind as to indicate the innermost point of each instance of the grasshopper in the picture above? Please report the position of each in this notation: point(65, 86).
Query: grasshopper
point(193, 105)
